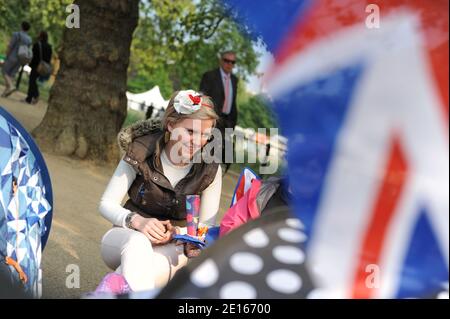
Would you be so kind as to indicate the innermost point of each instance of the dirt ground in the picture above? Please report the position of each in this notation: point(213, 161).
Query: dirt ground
point(77, 226)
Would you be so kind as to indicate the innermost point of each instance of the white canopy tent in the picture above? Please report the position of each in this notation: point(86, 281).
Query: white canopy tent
point(141, 101)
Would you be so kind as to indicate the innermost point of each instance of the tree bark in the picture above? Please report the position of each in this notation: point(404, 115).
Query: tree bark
point(87, 103)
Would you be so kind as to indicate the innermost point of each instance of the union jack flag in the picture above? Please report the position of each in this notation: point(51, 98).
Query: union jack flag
point(243, 184)
point(365, 110)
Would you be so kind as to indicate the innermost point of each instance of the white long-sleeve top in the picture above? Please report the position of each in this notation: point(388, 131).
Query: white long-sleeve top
point(111, 202)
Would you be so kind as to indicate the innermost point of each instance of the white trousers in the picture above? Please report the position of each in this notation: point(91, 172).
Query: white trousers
point(144, 266)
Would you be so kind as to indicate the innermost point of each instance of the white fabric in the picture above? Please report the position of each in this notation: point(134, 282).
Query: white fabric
point(153, 97)
point(173, 173)
point(185, 102)
point(144, 266)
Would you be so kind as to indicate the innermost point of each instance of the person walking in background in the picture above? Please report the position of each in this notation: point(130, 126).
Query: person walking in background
point(221, 85)
point(42, 52)
point(19, 42)
point(149, 112)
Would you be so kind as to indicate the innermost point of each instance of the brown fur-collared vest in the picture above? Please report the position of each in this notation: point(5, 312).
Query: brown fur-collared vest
point(151, 194)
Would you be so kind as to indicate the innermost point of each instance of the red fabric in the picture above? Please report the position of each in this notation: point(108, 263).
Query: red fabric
point(195, 99)
point(244, 210)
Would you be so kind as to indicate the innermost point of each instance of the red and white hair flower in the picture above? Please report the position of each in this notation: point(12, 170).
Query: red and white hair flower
point(188, 102)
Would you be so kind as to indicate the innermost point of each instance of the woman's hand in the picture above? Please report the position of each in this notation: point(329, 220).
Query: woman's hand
point(157, 231)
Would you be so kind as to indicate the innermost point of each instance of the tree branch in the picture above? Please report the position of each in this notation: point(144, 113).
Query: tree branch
point(207, 36)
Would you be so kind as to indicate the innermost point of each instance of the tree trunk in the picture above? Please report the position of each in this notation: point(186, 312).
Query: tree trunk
point(87, 103)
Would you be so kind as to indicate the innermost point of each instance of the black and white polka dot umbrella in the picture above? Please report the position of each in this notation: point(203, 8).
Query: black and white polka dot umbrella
point(261, 259)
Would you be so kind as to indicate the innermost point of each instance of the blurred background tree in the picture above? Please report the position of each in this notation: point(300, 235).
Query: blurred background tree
point(87, 104)
point(49, 15)
point(11, 14)
point(255, 112)
point(176, 41)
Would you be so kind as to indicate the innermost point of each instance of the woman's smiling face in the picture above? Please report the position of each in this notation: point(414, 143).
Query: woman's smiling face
point(189, 135)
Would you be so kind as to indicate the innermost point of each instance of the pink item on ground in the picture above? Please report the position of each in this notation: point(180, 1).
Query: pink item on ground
point(244, 210)
point(113, 283)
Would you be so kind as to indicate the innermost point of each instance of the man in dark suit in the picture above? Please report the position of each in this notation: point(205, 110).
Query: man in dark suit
point(221, 85)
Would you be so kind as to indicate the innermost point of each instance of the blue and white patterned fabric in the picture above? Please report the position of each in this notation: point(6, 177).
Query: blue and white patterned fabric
point(25, 210)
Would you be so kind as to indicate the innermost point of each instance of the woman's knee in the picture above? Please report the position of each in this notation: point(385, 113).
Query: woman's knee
point(137, 241)
point(118, 241)
point(110, 250)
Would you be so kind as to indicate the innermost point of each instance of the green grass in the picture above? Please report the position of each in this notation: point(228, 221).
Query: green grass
point(133, 116)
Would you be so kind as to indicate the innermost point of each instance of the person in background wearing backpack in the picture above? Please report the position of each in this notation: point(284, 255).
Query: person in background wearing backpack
point(40, 66)
point(17, 54)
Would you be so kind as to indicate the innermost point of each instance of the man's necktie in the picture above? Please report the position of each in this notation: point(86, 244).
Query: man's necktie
point(227, 94)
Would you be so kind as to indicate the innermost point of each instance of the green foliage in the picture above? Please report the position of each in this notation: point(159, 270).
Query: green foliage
point(48, 15)
point(146, 79)
point(174, 43)
point(132, 117)
point(255, 112)
point(12, 13)
point(3, 44)
point(177, 41)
